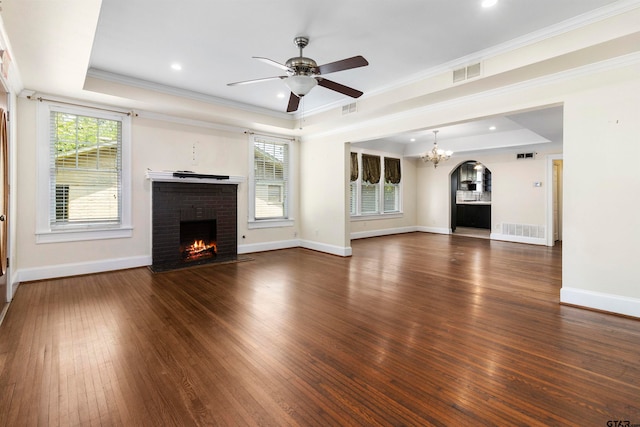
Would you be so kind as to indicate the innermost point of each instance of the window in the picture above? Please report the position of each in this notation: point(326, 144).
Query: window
point(370, 196)
point(83, 174)
point(269, 182)
point(392, 177)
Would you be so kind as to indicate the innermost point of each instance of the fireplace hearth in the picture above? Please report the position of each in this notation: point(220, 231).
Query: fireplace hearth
point(193, 224)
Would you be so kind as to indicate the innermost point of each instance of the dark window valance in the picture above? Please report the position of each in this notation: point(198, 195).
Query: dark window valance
point(371, 169)
point(392, 173)
point(354, 167)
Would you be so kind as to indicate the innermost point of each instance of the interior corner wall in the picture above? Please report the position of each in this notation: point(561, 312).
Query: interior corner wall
point(600, 227)
point(378, 225)
point(323, 189)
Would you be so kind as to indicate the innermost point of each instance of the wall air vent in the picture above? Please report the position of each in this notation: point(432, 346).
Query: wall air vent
point(348, 109)
point(521, 156)
point(468, 72)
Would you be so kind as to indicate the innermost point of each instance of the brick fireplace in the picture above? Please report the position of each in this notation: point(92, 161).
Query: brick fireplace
point(193, 223)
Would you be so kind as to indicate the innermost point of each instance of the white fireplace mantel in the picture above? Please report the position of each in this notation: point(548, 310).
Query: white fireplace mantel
point(167, 176)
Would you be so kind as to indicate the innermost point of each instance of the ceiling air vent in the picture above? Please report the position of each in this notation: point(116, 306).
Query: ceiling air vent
point(348, 109)
point(468, 72)
point(521, 156)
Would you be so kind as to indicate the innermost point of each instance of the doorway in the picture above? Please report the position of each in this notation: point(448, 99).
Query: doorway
point(5, 295)
point(471, 184)
point(555, 170)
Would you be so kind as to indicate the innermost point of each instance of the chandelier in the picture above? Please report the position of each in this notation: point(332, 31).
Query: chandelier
point(436, 155)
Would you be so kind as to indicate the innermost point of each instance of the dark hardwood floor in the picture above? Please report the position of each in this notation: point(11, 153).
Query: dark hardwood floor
point(414, 329)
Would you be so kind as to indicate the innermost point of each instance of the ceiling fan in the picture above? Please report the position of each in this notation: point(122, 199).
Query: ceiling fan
point(303, 74)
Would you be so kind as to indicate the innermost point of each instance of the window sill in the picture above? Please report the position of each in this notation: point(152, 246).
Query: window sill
point(75, 235)
point(367, 217)
point(270, 223)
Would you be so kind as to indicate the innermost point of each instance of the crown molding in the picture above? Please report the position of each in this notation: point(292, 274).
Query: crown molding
point(610, 64)
point(183, 93)
point(560, 28)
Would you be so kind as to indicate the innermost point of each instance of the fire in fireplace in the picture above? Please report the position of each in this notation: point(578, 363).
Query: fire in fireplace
point(197, 240)
point(193, 224)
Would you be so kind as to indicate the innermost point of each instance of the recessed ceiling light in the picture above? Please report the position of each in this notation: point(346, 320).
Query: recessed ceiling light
point(176, 66)
point(412, 140)
point(489, 3)
point(492, 128)
point(280, 95)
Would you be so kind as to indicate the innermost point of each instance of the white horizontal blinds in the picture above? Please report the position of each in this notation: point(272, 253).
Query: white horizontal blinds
point(392, 176)
point(370, 188)
point(86, 167)
point(271, 178)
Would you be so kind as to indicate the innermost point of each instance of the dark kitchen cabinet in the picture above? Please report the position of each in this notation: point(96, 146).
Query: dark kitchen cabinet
point(477, 216)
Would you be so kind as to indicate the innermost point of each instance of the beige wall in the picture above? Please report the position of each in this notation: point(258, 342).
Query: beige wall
point(602, 147)
point(156, 145)
point(407, 219)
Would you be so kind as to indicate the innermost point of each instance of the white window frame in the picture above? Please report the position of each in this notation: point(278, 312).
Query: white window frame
point(380, 214)
point(288, 221)
point(87, 231)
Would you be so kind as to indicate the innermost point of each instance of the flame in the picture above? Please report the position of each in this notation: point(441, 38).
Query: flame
point(199, 249)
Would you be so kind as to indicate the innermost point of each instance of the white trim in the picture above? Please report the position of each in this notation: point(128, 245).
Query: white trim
point(70, 235)
point(383, 232)
point(436, 230)
point(323, 247)
point(294, 243)
point(518, 239)
point(601, 301)
point(374, 217)
point(183, 93)
point(270, 223)
point(268, 246)
point(549, 198)
point(167, 176)
point(66, 270)
point(573, 73)
point(44, 233)
point(560, 28)
point(252, 222)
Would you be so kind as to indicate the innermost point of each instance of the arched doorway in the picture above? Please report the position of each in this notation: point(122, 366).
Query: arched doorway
point(471, 184)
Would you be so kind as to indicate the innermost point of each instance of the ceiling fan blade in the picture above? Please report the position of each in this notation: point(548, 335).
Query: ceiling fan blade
point(346, 90)
point(272, 62)
point(294, 101)
point(266, 79)
point(344, 64)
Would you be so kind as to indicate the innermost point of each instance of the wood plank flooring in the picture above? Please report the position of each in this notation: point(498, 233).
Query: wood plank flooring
point(413, 329)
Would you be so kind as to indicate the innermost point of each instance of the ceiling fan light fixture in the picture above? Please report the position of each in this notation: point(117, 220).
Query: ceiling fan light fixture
point(301, 85)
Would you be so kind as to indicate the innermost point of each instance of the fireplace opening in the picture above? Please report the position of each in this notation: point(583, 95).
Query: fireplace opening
point(198, 240)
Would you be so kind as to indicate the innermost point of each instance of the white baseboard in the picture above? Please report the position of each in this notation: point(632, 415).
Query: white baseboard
point(518, 239)
point(64, 270)
point(436, 230)
point(268, 246)
point(383, 232)
point(323, 247)
point(601, 301)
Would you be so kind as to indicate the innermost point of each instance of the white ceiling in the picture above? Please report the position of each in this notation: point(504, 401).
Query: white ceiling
point(214, 41)
point(136, 42)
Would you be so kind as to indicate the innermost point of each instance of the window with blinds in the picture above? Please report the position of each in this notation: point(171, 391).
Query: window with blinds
point(270, 178)
point(85, 169)
point(376, 187)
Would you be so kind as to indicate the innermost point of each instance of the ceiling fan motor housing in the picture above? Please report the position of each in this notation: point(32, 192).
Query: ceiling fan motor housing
point(302, 66)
